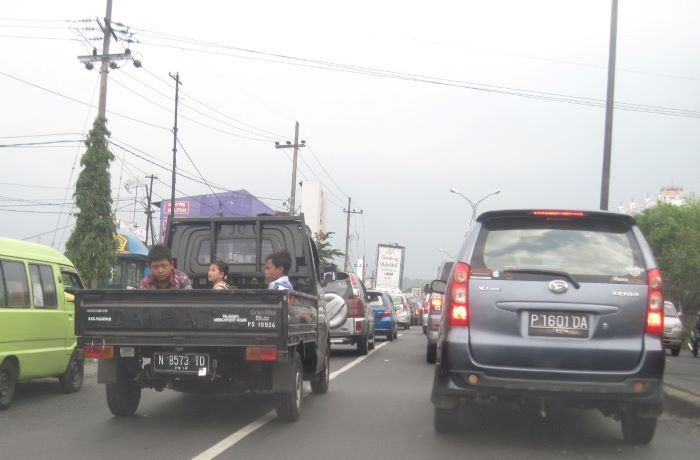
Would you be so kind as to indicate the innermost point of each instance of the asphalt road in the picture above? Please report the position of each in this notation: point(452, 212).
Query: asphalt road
point(377, 407)
point(683, 371)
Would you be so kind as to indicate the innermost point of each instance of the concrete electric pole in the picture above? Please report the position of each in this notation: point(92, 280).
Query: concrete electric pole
point(107, 60)
point(609, 106)
point(175, 77)
point(296, 147)
point(349, 211)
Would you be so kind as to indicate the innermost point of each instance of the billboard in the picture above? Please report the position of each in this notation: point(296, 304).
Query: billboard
point(390, 259)
point(313, 206)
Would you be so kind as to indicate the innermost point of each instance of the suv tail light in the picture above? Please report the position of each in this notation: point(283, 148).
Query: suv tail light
point(655, 303)
point(459, 295)
point(355, 308)
point(436, 302)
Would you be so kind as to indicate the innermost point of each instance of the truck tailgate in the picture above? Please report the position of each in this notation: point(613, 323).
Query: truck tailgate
point(195, 317)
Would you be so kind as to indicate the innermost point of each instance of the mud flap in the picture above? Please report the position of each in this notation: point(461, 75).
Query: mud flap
point(106, 371)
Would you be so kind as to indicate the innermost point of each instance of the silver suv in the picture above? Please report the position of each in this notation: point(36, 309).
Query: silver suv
point(550, 309)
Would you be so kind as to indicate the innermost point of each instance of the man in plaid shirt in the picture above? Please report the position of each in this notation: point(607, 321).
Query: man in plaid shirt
point(164, 275)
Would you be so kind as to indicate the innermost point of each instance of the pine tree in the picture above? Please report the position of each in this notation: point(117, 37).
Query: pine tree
point(91, 246)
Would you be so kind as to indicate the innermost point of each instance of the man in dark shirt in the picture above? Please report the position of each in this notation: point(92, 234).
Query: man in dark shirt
point(164, 275)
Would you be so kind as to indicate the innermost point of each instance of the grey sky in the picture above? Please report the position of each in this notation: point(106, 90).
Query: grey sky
point(395, 146)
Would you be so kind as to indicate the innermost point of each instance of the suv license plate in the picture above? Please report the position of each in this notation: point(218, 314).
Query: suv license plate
point(186, 363)
point(554, 324)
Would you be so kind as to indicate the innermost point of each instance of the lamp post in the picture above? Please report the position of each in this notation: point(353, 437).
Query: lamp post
point(472, 204)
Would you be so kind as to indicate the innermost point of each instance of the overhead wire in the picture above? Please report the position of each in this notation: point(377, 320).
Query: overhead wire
point(496, 89)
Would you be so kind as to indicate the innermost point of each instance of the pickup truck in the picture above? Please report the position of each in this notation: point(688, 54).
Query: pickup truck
point(247, 338)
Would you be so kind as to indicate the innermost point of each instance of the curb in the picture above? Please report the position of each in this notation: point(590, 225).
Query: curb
point(680, 402)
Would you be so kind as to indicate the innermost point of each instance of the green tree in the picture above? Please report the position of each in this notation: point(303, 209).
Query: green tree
point(91, 246)
point(326, 252)
point(674, 235)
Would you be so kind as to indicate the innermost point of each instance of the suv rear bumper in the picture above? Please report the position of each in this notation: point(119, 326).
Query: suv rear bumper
point(450, 390)
point(640, 388)
point(348, 332)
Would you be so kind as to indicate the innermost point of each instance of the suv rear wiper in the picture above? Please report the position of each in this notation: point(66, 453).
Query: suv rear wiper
point(535, 271)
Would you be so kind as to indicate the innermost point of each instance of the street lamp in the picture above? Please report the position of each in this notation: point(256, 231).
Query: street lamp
point(472, 204)
point(447, 254)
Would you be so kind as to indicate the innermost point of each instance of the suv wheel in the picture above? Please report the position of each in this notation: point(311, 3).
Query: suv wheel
point(363, 345)
point(431, 353)
point(636, 429)
point(371, 344)
point(675, 351)
point(446, 420)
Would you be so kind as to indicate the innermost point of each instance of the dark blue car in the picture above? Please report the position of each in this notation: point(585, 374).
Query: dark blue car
point(384, 315)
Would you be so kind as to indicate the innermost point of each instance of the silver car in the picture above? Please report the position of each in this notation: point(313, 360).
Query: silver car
point(552, 308)
point(673, 329)
point(403, 311)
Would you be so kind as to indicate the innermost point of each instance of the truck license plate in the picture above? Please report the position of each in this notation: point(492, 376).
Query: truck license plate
point(556, 324)
point(187, 363)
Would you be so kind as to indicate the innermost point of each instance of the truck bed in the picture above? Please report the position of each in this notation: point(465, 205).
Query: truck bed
point(197, 317)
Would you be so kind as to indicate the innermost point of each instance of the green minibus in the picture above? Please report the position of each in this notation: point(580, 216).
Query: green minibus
point(37, 333)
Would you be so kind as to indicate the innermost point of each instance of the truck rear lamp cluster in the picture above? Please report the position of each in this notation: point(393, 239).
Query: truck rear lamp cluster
point(655, 303)
point(261, 354)
point(459, 295)
point(99, 352)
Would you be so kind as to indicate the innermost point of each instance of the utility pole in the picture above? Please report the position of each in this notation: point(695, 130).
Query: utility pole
point(149, 212)
point(349, 211)
point(104, 69)
point(609, 106)
point(296, 147)
point(107, 60)
point(175, 77)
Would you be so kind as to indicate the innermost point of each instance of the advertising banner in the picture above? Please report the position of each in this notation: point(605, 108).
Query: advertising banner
point(390, 260)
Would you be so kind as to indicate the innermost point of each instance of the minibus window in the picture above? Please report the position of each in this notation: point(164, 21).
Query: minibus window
point(15, 280)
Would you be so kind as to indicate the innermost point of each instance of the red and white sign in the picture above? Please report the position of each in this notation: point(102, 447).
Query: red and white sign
point(181, 207)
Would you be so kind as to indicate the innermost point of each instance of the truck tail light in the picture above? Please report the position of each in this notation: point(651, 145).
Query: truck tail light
point(387, 312)
point(459, 295)
point(655, 303)
point(99, 351)
point(261, 354)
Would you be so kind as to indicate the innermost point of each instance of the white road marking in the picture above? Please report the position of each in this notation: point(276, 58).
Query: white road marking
point(231, 440)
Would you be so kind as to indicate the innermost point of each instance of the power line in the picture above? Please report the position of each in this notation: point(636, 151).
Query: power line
point(30, 144)
point(41, 135)
point(55, 93)
point(495, 89)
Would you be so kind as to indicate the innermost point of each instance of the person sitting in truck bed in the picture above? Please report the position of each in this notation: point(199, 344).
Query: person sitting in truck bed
point(277, 266)
point(164, 275)
point(218, 271)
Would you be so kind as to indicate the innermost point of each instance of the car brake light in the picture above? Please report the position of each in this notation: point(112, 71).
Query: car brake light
point(459, 295)
point(387, 312)
point(261, 354)
point(655, 303)
point(552, 213)
point(436, 303)
point(99, 351)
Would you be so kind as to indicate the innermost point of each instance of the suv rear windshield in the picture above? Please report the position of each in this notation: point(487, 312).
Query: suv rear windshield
point(589, 249)
point(342, 288)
